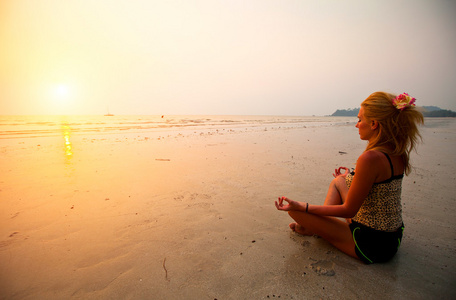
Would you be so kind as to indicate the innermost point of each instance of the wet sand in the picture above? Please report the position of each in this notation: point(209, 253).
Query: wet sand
point(192, 216)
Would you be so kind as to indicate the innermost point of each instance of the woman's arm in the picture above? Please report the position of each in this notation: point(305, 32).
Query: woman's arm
point(366, 173)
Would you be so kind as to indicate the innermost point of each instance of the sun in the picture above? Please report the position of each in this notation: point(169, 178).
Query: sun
point(61, 91)
point(63, 98)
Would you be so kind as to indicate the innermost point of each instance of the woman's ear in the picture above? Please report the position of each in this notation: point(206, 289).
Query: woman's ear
point(374, 124)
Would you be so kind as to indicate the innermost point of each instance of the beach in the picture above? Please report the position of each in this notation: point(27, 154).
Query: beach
point(185, 210)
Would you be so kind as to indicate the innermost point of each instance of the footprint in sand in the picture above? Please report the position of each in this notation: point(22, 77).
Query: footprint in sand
point(195, 200)
point(179, 198)
point(299, 239)
point(8, 242)
point(323, 267)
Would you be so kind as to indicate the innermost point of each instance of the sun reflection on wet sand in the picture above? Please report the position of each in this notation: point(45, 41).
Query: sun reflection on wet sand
point(66, 131)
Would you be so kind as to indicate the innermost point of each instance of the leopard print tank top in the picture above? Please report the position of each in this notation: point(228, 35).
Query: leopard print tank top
point(382, 209)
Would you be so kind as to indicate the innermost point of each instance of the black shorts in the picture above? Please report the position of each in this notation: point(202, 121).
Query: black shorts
point(374, 246)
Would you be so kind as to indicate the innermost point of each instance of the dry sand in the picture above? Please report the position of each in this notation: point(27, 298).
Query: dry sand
point(191, 216)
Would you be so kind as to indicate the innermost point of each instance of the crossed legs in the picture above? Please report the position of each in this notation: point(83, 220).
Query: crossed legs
point(334, 230)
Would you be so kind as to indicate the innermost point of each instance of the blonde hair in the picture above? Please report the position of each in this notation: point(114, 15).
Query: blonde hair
point(398, 129)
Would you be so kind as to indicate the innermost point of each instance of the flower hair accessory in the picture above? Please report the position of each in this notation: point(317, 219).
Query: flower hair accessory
point(403, 100)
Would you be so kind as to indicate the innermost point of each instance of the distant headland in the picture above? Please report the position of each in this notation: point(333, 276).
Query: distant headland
point(428, 111)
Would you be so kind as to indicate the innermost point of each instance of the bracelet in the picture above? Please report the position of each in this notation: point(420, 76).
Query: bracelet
point(307, 207)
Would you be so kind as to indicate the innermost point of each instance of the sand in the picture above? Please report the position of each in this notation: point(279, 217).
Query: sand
point(192, 216)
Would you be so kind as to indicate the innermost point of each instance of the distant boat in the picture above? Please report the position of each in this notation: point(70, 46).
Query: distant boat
point(109, 114)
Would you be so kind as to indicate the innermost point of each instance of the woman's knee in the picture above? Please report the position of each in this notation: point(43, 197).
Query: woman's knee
point(339, 180)
point(340, 184)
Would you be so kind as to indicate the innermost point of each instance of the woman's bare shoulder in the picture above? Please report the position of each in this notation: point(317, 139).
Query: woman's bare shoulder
point(376, 164)
point(368, 167)
point(371, 156)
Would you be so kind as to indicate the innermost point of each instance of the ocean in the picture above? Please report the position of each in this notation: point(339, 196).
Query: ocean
point(46, 126)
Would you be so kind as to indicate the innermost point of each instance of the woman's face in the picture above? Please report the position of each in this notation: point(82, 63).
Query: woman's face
point(365, 127)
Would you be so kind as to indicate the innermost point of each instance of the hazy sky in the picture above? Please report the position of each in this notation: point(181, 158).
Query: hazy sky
point(261, 57)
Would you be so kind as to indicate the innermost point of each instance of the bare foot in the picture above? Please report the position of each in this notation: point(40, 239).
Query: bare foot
point(299, 229)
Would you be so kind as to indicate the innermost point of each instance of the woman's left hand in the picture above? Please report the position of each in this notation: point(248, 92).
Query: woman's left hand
point(292, 205)
point(337, 172)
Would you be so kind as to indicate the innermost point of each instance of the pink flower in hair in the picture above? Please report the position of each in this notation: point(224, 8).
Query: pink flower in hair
point(403, 100)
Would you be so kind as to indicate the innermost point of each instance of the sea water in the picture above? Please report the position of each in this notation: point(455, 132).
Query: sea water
point(47, 126)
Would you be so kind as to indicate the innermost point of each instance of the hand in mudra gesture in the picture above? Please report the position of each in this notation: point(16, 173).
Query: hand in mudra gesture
point(292, 205)
point(337, 172)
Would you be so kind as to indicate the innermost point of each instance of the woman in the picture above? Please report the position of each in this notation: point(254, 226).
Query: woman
point(370, 197)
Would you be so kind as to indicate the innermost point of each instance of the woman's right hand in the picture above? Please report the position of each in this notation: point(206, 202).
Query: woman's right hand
point(337, 172)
